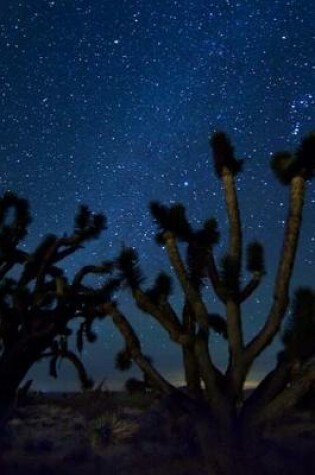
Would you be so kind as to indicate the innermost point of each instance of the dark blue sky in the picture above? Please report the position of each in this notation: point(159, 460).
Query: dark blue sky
point(111, 103)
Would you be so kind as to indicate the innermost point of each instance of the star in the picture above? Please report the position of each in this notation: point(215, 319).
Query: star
point(112, 105)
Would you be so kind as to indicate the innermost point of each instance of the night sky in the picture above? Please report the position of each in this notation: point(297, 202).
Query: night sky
point(111, 103)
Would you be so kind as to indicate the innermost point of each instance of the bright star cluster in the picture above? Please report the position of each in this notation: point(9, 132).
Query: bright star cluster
point(111, 104)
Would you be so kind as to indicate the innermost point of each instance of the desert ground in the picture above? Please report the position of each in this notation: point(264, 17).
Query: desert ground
point(118, 434)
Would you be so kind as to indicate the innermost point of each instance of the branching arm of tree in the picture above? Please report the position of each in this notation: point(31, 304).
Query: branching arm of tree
point(154, 301)
point(104, 268)
point(250, 287)
point(134, 348)
point(17, 257)
point(210, 374)
point(235, 232)
point(226, 167)
point(208, 371)
point(283, 277)
point(292, 170)
point(69, 355)
point(215, 278)
point(163, 314)
point(289, 397)
point(269, 388)
point(190, 292)
point(37, 301)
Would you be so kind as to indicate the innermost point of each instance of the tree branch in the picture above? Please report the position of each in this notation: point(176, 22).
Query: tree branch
point(269, 388)
point(134, 347)
point(211, 376)
point(250, 287)
point(290, 396)
point(233, 311)
point(232, 207)
point(90, 269)
point(284, 273)
point(214, 277)
point(190, 292)
point(85, 381)
point(165, 316)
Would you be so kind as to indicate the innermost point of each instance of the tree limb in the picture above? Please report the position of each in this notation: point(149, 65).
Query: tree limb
point(250, 287)
point(134, 347)
point(284, 273)
point(233, 311)
point(165, 316)
point(269, 388)
point(214, 277)
point(190, 292)
point(290, 396)
point(90, 269)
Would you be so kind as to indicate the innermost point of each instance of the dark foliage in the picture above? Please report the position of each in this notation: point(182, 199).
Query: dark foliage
point(172, 219)
point(162, 288)
point(198, 249)
point(286, 165)
point(230, 275)
point(223, 155)
point(87, 224)
point(306, 156)
point(218, 324)
point(299, 335)
point(215, 397)
point(123, 360)
point(38, 300)
point(128, 266)
point(255, 257)
point(14, 220)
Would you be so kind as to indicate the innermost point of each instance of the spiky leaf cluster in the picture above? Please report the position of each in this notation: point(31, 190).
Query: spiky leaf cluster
point(305, 155)
point(59, 351)
point(218, 324)
point(199, 246)
point(223, 155)
point(85, 332)
point(286, 165)
point(128, 265)
point(161, 289)
point(43, 252)
point(37, 300)
point(255, 258)
point(89, 298)
point(172, 219)
point(88, 224)
point(14, 220)
point(123, 360)
point(230, 275)
point(299, 335)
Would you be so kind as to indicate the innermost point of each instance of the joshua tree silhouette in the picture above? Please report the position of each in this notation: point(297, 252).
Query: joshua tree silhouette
point(227, 425)
point(37, 300)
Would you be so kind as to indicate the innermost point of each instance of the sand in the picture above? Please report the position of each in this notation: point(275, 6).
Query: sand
point(121, 435)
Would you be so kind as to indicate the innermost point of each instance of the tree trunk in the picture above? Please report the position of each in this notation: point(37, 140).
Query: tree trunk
point(190, 362)
point(10, 377)
point(192, 374)
point(222, 448)
point(14, 365)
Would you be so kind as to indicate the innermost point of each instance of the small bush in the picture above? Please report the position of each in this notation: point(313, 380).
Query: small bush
point(111, 428)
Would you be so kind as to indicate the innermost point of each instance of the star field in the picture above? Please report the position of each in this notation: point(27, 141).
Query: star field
point(111, 104)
